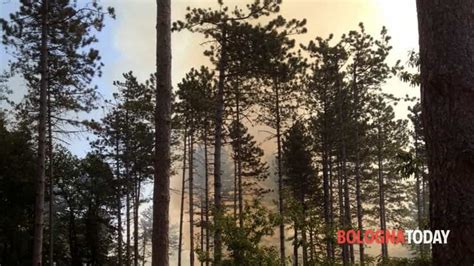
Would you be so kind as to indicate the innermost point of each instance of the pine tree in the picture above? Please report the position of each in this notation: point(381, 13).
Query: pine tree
point(55, 28)
point(251, 169)
point(194, 111)
point(216, 25)
point(325, 74)
point(300, 174)
point(390, 190)
point(280, 66)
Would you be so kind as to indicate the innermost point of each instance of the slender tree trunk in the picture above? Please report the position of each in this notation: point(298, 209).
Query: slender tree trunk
point(381, 193)
point(127, 222)
point(331, 204)
point(135, 221)
point(295, 244)
point(280, 175)
point(303, 223)
point(344, 253)
point(447, 78)
point(128, 186)
point(144, 249)
point(347, 248)
point(311, 243)
point(325, 165)
point(326, 206)
point(239, 159)
point(360, 211)
point(217, 150)
point(206, 187)
point(161, 191)
point(127, 195)
point(119, 195)
point(191, 199)
point(51, 184)
point(235, 189)
point(183, 188)
point(37, 259)
point(305, 244)
point(202, 226)
point(119, 229)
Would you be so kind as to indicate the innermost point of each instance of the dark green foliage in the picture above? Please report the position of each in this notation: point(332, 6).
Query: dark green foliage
point(253, 169)
point(245, 243)
point(73, 62)
point(17, 170)
point(343, 159)
point(85, 199)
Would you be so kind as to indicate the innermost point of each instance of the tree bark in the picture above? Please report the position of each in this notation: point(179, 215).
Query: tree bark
point(340, 190)
point(357, 163)
point(183, 188)
point(304, 245)
point(447, 96)
point(206, 187)
point(295, 244)
point(162, 164)
point(239, 159)
point(127, 222)
point(217, 150)
point(191, 199)
point(383, 225)
point(135, 221)
point(347, 251)
point(331, 204)
point(201, 203)
point(280, 174)
point(119, 194)
point(51, 184)
point(37, 259)
point(326, 199)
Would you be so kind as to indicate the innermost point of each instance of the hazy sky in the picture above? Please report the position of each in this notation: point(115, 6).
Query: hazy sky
point(128, 43)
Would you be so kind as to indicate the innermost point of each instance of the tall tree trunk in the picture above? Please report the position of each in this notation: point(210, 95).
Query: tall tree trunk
point(331, 204)
point(239, 159)
point(161, 190)
point(326, 206)
point(447, 78)
point(136, 208)
point(311, 243)
point(119, 229)
point(303, 224)
point(119, 194)
point(347, 251)
point(183, 188)
point(191, 199)
point(217, 149)
point(235, 189)
point(383, 226)
point(206, 187)
point(344, 253)
point(40, 181)
point(295, 244)
point(51, 183)
point(280, 174)
point(144, 248)
point(202, 226)
point(357, 166)
point(129, 187)
point(325, 165)
point(127, 222)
